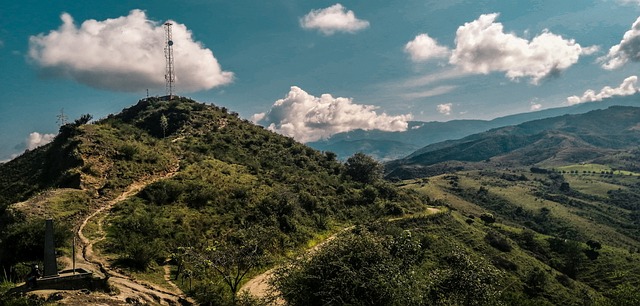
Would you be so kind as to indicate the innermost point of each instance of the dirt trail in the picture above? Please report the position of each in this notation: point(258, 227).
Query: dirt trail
point(128, 287)
point(259, 285)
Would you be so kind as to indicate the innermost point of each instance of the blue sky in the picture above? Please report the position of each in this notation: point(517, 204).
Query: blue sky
point(310, 69)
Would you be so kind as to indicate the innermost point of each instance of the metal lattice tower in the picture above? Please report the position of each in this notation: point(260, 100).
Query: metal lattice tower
point(169, 76)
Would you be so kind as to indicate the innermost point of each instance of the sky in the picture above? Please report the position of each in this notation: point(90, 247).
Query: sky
point(310, 69)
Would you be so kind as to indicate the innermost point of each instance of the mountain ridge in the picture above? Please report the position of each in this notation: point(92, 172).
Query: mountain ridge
point(550, 141)
point(420, 134)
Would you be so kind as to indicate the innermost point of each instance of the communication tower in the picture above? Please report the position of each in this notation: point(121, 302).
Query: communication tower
point(169, 76)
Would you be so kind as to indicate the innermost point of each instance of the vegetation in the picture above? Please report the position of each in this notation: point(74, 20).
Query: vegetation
point(237, 200)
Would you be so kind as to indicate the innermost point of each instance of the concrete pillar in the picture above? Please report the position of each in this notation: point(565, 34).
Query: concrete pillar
point(50, 264)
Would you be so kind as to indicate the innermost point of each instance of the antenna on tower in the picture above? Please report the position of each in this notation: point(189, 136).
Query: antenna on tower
point(62, 118)
point(169, 76)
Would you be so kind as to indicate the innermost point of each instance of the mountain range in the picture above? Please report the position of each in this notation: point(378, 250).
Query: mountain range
point(386, 146)
point(584, 138)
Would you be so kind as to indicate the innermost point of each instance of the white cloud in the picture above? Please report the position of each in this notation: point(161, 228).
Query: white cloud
point(125, 54)
point(483, 47)
point(257, 117)
point(440, 90)
point(36, 139)
point(423, 48)
point(308, 118)
point(333, 19)
point(444, 109)
point(626, 88)
point(633, 2)
point(535, 106)
point(627, 50)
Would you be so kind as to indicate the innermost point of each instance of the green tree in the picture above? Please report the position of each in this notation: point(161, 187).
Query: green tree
point(356, 269)
point(232, 257)
point(164, 125)
point(363, 168)
point(488, 218)
point(464, 280)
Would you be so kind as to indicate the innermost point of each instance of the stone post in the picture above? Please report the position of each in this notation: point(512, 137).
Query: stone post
point(50, 264)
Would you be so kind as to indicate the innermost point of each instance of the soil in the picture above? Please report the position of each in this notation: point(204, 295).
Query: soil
point(126, 289)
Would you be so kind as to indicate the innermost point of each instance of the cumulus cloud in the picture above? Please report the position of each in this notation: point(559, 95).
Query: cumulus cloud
point(627, 50)
point(444, 109)
point(423, 48)
point(308, 118)
point(125, 54)
point(36, 139)
point(626, 88)
point(333, 19)
point(483, 47)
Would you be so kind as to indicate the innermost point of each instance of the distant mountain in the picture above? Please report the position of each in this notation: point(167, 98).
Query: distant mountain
point(387, 146)
point(551, 141)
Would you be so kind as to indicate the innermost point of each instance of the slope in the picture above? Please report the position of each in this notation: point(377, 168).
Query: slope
point(236, 184)
point(420, 134)
point(551, 141)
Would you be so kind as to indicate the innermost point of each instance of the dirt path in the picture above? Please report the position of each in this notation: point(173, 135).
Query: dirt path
point(128, 287)
point(259, 285)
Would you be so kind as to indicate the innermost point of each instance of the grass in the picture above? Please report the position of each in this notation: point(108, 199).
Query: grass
point(594, 169)
point(153, 275)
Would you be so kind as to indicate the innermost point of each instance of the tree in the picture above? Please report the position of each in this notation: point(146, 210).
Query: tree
point(488, 218)
point(535, 281)
point(363, 168)
point(464, 280)
point(357, 268)
point(594, 244)
point(164, 124)
point(232, 257)
point(84, 119)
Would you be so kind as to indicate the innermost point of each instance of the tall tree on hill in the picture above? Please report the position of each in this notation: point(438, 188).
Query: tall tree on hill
point(363, 168)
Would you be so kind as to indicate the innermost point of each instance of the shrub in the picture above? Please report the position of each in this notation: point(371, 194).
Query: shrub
point(498, 241)
point(488, 218)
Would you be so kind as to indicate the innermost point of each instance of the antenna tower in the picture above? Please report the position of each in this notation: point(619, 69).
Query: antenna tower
point(169, 76)
point(62, 118)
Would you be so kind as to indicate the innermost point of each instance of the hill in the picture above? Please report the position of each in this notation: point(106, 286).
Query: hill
point(177, 197)
point(420, 134)
point(180, 175)
point(567, 139)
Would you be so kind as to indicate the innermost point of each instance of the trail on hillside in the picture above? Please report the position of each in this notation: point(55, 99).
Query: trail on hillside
point(128, 287)
point(259, 285)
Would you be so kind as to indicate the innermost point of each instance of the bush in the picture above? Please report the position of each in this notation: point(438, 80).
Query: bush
point(488, 218)
point(356, 269)
point(498, 241)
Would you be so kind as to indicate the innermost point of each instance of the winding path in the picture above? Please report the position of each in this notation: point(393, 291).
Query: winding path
point(259, 285)
point(129, 288)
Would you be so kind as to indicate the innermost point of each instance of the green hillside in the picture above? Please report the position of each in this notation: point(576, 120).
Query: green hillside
point(567, 139)
point(183, 194)
point(420, 134)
